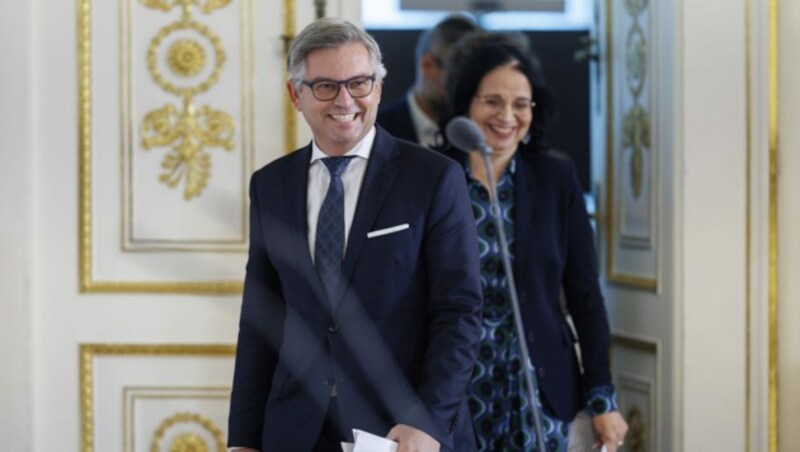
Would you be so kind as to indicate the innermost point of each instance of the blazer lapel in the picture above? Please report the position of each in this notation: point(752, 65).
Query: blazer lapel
point(381, 171)
point(296, 208)
point(524, 200)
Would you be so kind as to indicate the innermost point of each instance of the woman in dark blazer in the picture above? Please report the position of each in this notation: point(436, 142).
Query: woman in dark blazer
point(492, 80)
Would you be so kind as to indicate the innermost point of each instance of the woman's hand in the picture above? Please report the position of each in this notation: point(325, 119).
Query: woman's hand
point(610, 429)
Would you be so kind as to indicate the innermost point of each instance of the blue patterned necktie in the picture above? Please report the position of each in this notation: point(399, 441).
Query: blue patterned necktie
point(329, 245)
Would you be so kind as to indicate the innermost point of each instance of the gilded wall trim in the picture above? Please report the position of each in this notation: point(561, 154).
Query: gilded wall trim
point(88, 352)
point(86, 281)
point(289, 114)
point(774, 427)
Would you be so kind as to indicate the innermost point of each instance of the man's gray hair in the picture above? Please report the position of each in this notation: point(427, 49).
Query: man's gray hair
point(325, 34)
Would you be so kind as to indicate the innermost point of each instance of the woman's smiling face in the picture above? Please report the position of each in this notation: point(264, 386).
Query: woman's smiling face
point(502, 108)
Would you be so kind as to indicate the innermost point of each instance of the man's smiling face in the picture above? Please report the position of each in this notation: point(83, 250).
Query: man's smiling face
point(339, 124)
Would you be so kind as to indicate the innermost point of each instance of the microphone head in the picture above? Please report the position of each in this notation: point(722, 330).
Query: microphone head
point(464, 134)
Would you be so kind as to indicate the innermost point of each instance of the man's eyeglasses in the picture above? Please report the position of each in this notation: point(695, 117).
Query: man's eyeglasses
point(326, 90)
point(495, 104)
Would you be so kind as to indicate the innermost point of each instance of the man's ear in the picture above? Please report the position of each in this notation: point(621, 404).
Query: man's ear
point(294, 95)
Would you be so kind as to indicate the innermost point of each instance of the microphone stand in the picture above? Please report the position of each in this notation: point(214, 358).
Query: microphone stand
point(512, 288)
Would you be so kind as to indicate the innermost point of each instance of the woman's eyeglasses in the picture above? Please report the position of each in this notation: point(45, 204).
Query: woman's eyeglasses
point(496, 104)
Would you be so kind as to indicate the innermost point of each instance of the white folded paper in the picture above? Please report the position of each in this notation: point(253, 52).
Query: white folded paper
point(367, 442)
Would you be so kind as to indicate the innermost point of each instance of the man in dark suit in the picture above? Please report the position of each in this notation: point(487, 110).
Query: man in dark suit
point(415, 116)
point(361, 305)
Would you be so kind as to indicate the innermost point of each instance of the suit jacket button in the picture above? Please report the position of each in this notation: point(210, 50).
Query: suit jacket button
point(334, 327)
point(540, 372)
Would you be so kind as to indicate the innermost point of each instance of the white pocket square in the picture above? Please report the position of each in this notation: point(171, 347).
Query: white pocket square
point(391, 230)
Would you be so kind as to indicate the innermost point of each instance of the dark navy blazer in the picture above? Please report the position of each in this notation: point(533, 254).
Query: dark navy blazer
point(554, 249)
point(395, 117)
point(401, 340)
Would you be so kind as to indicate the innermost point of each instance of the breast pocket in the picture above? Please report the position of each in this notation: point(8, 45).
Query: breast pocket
point(388, 267)
point(390, 236)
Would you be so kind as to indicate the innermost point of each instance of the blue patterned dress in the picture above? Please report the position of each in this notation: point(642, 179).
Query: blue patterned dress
point(497, 393)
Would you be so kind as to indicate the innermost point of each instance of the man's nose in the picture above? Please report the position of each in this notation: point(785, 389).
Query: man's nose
point(343, 97)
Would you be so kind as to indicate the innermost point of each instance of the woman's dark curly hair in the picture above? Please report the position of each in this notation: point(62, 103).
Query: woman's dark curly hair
point(480, 53)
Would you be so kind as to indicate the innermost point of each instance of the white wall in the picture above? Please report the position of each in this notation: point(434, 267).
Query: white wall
point(711, 185)
point(16, 225)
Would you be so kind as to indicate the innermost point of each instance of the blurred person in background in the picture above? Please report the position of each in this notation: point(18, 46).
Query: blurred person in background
point(415, 116)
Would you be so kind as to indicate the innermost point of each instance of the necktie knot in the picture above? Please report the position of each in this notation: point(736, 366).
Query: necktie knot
point(336, 165)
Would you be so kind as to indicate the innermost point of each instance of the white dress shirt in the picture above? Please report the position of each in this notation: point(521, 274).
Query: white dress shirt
point(319, 178)
point(427, 130)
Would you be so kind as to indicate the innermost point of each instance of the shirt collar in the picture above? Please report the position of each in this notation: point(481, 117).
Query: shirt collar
point(362, 149)
point(423, 125)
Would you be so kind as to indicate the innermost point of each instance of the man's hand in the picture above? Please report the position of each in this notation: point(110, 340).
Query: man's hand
point(610, 429)
point(410, 439)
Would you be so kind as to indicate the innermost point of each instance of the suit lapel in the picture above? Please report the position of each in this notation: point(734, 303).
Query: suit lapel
point(381, 171)
point(296, 210)
point(524, 203)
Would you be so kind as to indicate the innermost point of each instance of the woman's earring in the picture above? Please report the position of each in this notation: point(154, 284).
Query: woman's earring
point(526, 139)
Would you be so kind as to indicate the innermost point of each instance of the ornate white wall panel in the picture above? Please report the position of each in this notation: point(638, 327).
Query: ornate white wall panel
point(632, 154)
point(636, 366)
point(168, 418)
point(177, 108)
point(154, 398)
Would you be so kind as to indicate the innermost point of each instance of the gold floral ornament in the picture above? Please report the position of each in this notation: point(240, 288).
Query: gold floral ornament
point(166, 5)
point(187, 441)
point(636, 136)
point(188, 131)
point(186, 58)
point(635, 7)
point(636, 440)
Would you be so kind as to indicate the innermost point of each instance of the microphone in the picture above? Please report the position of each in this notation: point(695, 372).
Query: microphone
point(464, 134)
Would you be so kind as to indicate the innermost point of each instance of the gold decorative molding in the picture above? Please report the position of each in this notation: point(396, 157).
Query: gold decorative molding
point(86, 280)
point(187, 131)
point(88, 352)
point(187, 441)
point(636, 136)
point(289, 114)
point(635, 133)
point(773, 386)
point(636, 440)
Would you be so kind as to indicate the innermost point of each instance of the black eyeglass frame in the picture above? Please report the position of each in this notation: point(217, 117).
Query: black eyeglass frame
point(339, 83)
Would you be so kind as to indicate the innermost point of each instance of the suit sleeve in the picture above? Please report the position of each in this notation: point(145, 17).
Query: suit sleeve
point(260, 333)
point(454, 299)
point(582, 289)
